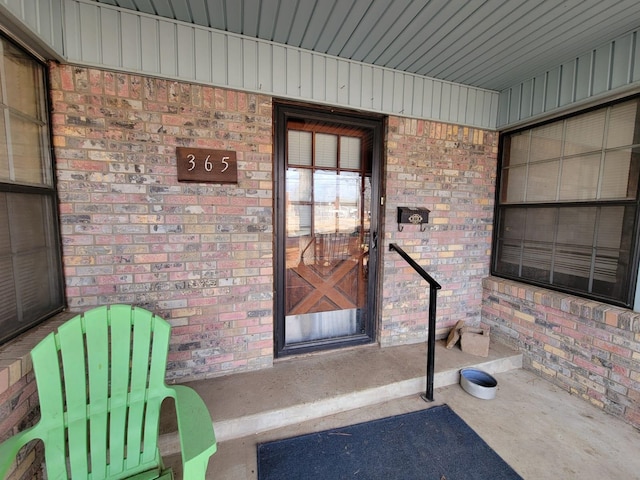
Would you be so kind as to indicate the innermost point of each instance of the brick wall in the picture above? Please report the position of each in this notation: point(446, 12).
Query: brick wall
point(449, 170)
point(588, 348)
point(200, 255)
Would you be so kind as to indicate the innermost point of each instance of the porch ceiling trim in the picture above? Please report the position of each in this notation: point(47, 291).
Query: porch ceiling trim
point(111, 37)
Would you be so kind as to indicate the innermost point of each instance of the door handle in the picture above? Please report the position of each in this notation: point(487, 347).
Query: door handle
point(374, 240)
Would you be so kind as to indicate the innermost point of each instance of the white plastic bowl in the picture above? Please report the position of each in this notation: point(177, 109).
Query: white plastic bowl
point(478, 383)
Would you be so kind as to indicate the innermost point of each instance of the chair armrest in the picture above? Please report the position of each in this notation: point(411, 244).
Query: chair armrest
point(195, 428)
point(12, 445)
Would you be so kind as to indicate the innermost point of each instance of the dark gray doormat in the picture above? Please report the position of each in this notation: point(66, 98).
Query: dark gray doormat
point(429, 444)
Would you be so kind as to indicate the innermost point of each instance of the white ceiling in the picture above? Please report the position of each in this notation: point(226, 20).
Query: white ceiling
point(490, 44)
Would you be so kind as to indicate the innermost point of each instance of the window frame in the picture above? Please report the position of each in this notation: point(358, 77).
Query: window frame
point(46, 190)
point(501, 206)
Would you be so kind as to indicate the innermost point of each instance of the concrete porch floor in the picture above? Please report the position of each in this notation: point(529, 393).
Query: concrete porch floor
point(539, 429)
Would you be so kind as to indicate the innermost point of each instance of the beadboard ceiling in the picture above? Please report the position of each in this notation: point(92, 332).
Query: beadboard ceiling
point(490, 44)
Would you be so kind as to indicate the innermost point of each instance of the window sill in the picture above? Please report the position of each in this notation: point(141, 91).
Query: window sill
point(15, 356)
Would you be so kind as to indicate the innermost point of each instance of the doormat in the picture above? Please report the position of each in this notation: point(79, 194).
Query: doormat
point(429, 444)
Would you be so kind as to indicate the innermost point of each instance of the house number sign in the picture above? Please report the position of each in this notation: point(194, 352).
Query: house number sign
point(206, 166)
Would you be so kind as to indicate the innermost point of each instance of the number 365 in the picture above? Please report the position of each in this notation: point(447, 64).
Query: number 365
point(208, 164)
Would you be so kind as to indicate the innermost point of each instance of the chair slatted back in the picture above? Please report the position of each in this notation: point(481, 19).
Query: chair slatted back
point(101, 384)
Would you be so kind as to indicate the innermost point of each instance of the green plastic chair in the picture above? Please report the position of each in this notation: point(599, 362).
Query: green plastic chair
point(100, 381)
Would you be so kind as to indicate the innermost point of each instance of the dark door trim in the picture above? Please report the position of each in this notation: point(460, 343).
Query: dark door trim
point(283, 112)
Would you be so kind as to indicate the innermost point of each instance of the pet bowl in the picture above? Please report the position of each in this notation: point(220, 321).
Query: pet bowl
point(478, 383)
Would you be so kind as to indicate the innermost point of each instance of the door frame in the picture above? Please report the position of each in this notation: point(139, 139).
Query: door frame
point(282, 112)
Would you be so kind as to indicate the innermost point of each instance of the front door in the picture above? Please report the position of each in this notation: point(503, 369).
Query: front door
point(327, 198)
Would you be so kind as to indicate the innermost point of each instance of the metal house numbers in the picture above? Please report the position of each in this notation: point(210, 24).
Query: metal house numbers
point(206, 166)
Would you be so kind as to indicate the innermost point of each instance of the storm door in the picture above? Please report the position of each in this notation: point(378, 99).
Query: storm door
point(327, 195)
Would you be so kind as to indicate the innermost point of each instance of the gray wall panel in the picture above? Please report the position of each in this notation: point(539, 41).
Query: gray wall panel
point(354, 86)
point(317, 79)
point(516, 98)
point(235, 75)
point(427, 99)
point(411, 96)
point(181, 51)
point(343, 83)
point(445, 102)
point(601, 70)
point(436, 99)
point(492, 101)
point(418, 93)
point(567, 82)
point(527, 98)
point(478, 99)
point(29, 11)
point(265, 67)
point(464, 106)
point(636, 59)
point(552, 99)
point(306, 74)
point(378, 85)
point(397, 102)
point(168, 49)
point(130, 52)
point(45, 14)
point(366, 87)
point(387, 90)
point(149, 51)
point(90, 34)
point(111, 52)
point(503, 106)
point(71, 30)
point(292, 70)
point(219, 58)
point(279, 77)
point(250, 64)
point(583, 76)
point(43, 21)
point(456, 104)
point(203, 56)
point(605, 73)
point(185, 38)
point(539, 89)
point(330, 80)
point(621, 67)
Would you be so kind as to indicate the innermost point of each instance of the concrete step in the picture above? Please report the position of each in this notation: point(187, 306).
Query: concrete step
point(305, 388)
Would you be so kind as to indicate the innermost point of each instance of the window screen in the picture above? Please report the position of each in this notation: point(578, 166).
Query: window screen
point(567, 204)
point(30, 266)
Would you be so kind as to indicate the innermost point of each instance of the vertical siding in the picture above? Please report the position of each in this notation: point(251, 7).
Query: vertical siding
point(583, 76)
point(43, 18)
point(133, 48)
point(109, 37)
point(611, 69)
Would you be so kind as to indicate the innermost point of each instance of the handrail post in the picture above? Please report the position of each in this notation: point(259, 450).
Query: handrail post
point(431, 344)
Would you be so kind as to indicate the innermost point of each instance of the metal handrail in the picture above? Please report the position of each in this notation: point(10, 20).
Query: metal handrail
point(431, 334)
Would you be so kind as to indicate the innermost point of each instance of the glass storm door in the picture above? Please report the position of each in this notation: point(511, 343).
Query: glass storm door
point(327, 235)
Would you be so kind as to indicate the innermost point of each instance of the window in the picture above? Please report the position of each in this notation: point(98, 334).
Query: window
point(567, 204)
point(30, 266)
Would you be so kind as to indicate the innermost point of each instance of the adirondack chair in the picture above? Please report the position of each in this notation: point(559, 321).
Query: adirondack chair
point(101, 381)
